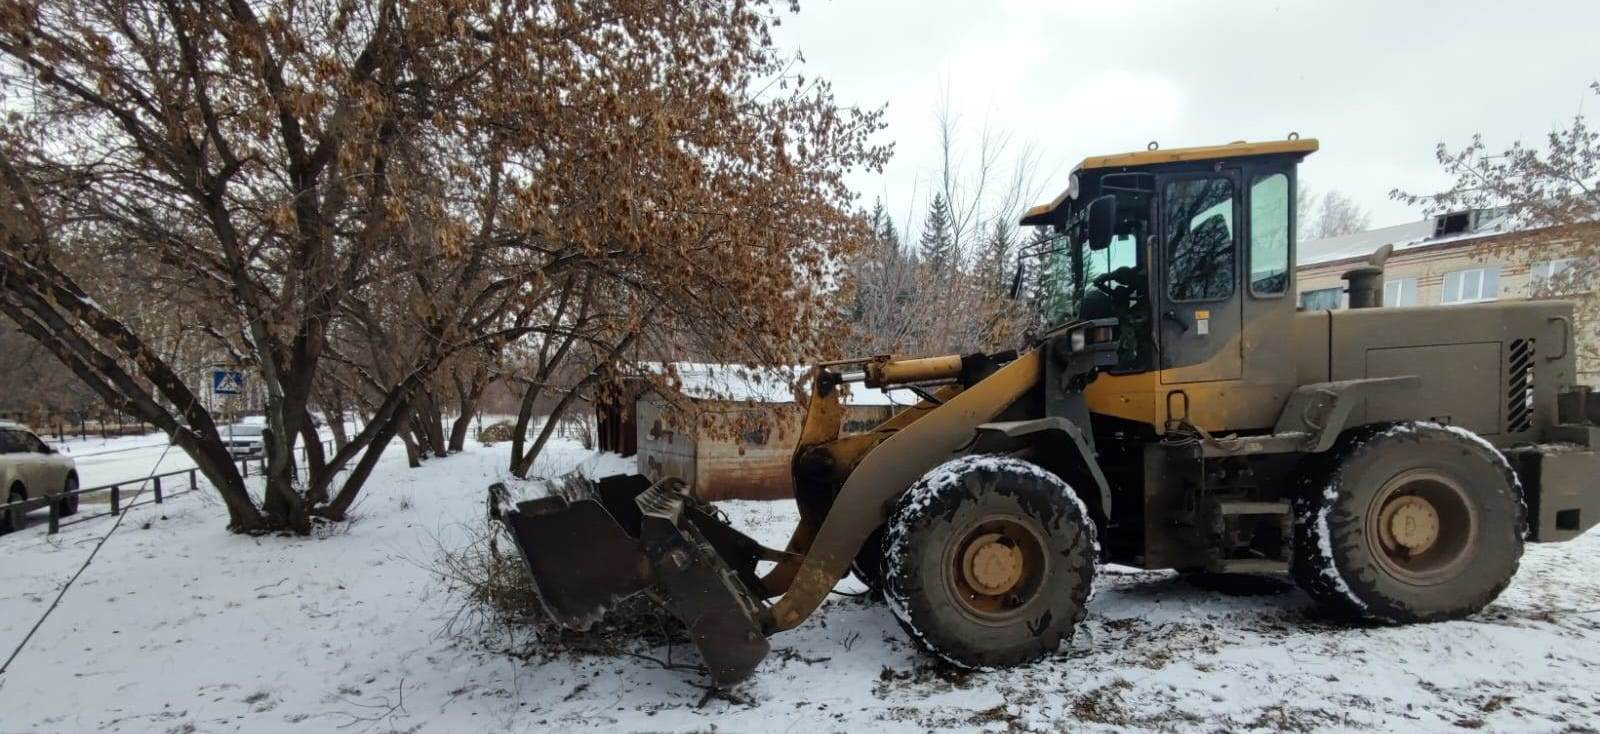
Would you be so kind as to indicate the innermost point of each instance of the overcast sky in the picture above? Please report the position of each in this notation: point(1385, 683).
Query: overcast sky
point(1378, 83)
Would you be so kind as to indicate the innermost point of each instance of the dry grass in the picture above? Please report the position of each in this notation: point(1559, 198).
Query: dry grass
point(496, 432)
point(501, 609)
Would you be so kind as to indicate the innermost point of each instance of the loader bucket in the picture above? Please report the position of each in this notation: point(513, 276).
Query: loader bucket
point(589, 545)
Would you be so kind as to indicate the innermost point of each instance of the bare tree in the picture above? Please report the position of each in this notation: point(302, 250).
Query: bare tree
point(1337, 215)
point(953, 294)
point(1305, 207)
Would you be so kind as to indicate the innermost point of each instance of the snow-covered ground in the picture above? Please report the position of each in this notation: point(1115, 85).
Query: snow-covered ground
point(179, 626)
point(106, 460)
point(120, 458)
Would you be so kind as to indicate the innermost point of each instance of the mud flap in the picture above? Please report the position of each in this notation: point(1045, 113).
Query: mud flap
point(589, 545)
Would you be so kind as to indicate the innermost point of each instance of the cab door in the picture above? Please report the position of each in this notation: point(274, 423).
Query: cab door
point(1199, 307)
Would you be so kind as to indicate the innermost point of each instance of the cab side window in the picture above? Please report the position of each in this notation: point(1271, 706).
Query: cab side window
point(1269, 235)
point(10, 442)
point(1200, 239)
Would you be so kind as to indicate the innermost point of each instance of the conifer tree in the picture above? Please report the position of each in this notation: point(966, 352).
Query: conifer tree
point(999, 251)
point(937, 244)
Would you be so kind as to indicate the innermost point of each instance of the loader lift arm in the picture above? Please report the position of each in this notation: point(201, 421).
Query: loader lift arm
point(863, 501)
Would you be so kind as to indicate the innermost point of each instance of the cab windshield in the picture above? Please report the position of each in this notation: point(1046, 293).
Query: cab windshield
point(1080, 283)
point(1065, 286)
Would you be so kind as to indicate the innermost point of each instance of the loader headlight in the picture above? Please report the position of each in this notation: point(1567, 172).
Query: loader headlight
point(1090, 335)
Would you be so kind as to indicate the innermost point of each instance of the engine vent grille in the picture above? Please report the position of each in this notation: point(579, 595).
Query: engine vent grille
point(1519, 387)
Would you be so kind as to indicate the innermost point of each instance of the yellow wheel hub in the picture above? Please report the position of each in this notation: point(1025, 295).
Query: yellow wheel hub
point(1409, 522)
point(1422, 527)
point(995, 568)
point(992, 564)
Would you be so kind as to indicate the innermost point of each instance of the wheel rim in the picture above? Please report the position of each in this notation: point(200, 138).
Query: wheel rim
point(1421, 526)
point(996, 568)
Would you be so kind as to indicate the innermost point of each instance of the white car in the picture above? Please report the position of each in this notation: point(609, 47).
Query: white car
point(244, 439)
point(30, 469)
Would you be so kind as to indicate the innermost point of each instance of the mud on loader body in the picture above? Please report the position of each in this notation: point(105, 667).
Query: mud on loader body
point(1183, 414)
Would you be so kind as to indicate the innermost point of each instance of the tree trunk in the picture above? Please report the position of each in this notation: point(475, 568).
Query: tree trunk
point(380, 425)
point(352, 485)
point(282, 501)
point(550, 423)
point(463, 423)
point(335, 417)
point(469, 393)
point(524, 463)
point(519, 433)
point(431, 428)
point(413, 458)
point(316, 463)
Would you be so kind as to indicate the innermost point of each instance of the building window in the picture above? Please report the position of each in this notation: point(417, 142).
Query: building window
point(1472, 286)
point(1400, 292)
point(1321, 299)
point(1545, 278)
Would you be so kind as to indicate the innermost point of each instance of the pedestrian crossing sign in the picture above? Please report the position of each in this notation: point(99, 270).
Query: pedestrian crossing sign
point(227, 382)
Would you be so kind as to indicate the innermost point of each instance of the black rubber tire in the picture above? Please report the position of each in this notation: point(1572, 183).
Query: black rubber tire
point(924, 526)
point(868, 564)
point(14, 519)
point(68, 504)
point(1238, 584)
point(1334, 562)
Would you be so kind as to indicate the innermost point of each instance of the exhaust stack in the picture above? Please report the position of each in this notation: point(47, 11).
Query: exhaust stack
point(1365, 283)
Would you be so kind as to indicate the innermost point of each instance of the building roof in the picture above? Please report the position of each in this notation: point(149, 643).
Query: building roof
point(1406, 236)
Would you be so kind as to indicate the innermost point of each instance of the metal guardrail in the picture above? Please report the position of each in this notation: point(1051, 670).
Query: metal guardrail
point(53, 501)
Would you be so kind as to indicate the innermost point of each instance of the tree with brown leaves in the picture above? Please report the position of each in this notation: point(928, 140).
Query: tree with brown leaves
point(428, 176)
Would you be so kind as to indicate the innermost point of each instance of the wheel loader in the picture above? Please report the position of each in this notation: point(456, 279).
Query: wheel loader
point(1181, 413)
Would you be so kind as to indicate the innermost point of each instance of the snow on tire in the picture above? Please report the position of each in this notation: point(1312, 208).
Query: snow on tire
point(989, 561)
point(1409, 522)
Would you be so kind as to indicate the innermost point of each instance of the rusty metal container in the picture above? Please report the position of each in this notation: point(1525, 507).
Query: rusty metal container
point(728, 449)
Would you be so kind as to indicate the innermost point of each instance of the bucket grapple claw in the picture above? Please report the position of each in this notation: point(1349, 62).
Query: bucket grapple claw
point(589, 545)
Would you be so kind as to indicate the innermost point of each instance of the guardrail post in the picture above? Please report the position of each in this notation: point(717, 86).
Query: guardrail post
point(55, 518)
point(245, 467)
point(157, 480)
point(192, 485)
point(116, 498)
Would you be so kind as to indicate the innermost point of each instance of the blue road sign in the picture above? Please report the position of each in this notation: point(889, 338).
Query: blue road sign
point(227, 382)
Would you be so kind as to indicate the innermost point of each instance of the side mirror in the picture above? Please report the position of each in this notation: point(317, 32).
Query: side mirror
point(44, 448)
point(1102, 222)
